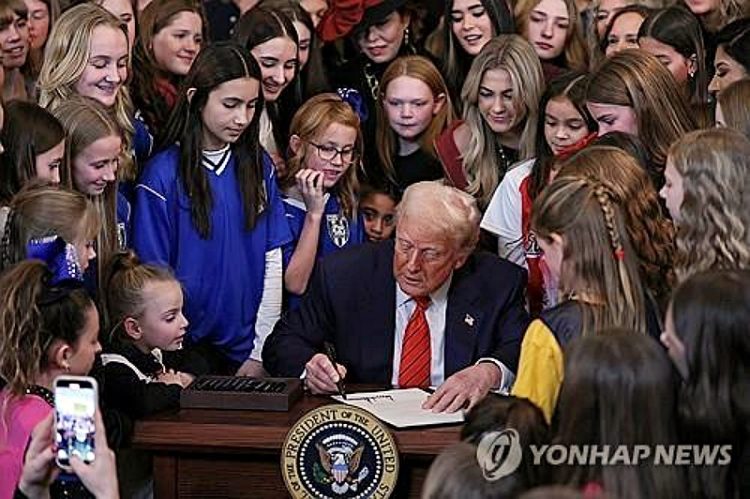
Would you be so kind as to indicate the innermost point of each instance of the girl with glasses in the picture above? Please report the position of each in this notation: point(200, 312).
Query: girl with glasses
point(320, 187)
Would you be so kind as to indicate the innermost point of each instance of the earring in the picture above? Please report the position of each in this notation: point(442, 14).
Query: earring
point(407, 41)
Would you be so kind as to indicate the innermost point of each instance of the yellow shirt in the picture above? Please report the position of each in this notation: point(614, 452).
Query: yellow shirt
point(540, 368)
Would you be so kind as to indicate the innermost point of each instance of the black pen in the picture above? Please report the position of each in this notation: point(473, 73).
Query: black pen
point(331, 353)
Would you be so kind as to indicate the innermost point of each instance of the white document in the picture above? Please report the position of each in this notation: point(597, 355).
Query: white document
point(400, 408)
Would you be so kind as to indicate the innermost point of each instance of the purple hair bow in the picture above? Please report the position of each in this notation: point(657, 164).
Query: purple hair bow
point(61, 259)
point(355, 100)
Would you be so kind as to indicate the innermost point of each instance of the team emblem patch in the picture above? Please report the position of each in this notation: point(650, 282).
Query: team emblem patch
point(339, 451)
point(338, 229)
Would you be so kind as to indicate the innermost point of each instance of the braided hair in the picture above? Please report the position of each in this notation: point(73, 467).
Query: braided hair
point(599, 266)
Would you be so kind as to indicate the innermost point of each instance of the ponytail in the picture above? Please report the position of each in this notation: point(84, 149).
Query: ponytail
point(125, 279)
point(34, 314)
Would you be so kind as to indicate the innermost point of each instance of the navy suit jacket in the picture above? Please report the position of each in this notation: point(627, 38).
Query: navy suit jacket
point(351, 303)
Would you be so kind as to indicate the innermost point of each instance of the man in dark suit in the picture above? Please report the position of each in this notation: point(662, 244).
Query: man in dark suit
point(418, 311)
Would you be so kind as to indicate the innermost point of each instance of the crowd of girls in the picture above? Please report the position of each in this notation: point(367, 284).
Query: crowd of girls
point(191, 163)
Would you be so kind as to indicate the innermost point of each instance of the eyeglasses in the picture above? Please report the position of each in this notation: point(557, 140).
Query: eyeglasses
point(328, 153)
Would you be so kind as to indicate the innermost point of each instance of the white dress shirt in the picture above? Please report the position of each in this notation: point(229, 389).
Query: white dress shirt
point(435, 315)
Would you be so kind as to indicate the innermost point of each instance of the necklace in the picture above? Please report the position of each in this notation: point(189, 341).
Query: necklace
point(503, 158)
point(372, 81)
point(42, 393)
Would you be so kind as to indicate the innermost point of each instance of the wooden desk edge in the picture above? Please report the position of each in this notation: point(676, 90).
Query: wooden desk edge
point(238, 438)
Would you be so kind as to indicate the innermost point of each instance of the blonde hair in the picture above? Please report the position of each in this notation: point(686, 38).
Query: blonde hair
point(125, 280)
point(735, 106)
point(728, 11)
point(511, 53)
point(444, 210)
point(312, 120)
point(638, 80)
point(422, 69)
point(65, 58)
point(41, 210)
point(599, 265)
point(85, 121)
point(650, 232)
point(575, 52)
point(713, 232)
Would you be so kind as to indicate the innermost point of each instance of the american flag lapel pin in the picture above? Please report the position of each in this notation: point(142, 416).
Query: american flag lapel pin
point(469, 320)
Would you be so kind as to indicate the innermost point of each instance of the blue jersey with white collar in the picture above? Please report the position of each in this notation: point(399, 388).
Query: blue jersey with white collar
point(222, 275)
point(336, 231)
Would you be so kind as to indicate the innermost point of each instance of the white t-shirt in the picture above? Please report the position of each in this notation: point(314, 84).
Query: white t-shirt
point(504, 214)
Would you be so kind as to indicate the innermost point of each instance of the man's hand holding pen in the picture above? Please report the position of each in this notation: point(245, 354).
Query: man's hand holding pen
point(322, 377)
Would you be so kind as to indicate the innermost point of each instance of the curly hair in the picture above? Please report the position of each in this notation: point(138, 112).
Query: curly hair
point(650, 231)
point(713, 231)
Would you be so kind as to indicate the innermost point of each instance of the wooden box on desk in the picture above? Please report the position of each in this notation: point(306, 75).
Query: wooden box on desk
point(241, 393)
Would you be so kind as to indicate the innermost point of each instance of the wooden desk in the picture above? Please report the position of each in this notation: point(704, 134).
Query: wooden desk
point(235, 454)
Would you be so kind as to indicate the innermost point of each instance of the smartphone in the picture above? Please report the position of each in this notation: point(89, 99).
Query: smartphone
point(75, 404)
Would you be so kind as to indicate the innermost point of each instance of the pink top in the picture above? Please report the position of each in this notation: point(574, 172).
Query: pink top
point(18, 417)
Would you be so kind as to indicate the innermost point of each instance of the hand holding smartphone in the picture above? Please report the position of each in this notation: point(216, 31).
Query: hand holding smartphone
point(75, 428)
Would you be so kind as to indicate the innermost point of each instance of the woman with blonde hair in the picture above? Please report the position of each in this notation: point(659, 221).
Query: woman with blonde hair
point(581, 228)
point(553, 28)
point(633, 92)
point(320, 187)
point(733, 107)
point(87, 54)
point(501, 100)
point(650, 231)
point(93, 149)
point(707, 192)
point(564, 127)
point(414, 109)
point(41, 210)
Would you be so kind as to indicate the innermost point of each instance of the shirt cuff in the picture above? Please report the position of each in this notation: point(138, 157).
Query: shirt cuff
point(506, 376)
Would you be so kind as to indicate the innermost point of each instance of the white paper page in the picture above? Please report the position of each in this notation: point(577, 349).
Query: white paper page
point(400, 408)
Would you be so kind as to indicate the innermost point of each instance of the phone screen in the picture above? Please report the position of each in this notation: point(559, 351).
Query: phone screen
point(75, 403)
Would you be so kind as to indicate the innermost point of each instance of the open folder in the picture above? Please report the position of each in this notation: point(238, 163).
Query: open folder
point(400, 408)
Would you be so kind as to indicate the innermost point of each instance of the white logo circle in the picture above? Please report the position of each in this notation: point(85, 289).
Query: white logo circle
point(499, 454)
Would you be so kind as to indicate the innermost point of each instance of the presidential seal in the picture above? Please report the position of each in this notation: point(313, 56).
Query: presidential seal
point(339, 451)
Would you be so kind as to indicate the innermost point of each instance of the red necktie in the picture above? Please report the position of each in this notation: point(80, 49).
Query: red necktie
point(414, 370)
